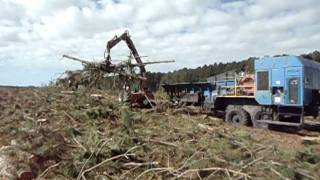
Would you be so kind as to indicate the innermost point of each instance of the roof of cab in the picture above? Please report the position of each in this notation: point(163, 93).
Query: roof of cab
point(284, 61)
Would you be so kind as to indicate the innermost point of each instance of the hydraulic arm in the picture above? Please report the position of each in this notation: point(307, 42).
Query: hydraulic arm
point(126, 38)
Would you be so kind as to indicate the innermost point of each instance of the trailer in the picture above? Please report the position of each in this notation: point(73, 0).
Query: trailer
point(195, 94)
point(281, 91)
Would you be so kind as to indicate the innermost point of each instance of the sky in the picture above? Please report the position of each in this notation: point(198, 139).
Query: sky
point(35, 33)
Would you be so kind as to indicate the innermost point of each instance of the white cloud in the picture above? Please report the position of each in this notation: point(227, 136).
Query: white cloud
point(35, 33)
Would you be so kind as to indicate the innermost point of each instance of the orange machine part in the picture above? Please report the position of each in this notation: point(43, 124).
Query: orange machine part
point(246, 85)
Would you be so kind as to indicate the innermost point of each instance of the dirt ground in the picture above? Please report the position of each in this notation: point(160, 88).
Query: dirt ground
point(47, 133)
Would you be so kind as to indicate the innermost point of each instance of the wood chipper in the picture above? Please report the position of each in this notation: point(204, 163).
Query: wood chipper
point(281, 91)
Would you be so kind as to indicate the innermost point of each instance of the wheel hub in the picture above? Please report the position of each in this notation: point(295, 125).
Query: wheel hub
point(236, 119)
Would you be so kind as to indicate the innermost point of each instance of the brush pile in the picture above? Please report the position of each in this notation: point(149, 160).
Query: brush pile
point(47, 133)
point(88, 77)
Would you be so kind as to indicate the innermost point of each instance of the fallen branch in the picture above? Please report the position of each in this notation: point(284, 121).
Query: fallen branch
point(152, 106)
point(154, 169)
point(107, 160)
point(276, 163)
point(214, 169)
point(279, 174)
point(247, 165)
point(205, 127)
point(96, 95)
point(69, 116)
point(187, 160)
point(244, 147)
point(211, 176)
point(127, 172)
point(79, 144)
point(162, 142)
point(313, 140)
point(85, 163)
point(251, 163)
point(137, 165)
point(46, 170)
point(67, 92)
point(141, 164)
point(301, 172)
point(304, 173)
point(227, 172)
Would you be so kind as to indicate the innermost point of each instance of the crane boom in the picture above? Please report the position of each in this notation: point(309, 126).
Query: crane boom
point(126, 38)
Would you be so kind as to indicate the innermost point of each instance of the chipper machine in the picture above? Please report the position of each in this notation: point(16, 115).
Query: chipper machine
point(281, 91)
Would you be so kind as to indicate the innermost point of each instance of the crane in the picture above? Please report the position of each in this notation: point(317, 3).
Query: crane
point(126, 38)
point(125, 70)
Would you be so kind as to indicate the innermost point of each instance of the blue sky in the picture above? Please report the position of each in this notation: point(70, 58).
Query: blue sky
point(35, 33)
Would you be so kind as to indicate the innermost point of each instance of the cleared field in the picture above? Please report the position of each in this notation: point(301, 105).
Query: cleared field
point(47, 133)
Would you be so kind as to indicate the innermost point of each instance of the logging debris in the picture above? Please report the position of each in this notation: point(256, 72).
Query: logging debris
point(47, 133)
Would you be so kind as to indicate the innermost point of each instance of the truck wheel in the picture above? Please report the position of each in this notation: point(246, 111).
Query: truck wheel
point(258, 115)
point(236, 115)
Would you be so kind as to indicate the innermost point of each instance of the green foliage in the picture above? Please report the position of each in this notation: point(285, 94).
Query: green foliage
point(127, 119)
point(308, 155)
point(315, 55)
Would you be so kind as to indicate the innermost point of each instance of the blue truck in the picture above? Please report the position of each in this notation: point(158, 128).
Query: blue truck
point(281, 91)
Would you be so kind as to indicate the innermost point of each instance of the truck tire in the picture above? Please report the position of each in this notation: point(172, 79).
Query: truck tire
point(257, 115)
point(236, 115)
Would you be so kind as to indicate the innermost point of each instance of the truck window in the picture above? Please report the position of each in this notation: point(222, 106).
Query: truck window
point(263, 80)
point(293, 90)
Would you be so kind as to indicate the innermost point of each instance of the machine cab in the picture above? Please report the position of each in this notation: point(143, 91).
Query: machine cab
point(279, 81)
